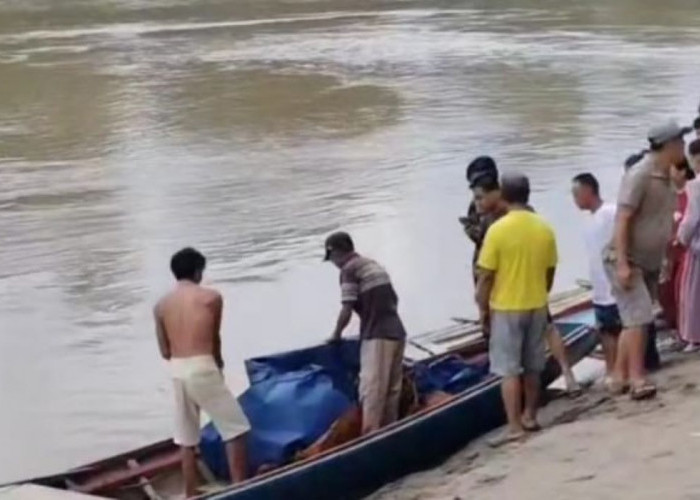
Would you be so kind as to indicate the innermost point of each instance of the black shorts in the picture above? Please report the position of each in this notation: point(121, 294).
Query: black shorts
point(550, 320)
point(607, 319)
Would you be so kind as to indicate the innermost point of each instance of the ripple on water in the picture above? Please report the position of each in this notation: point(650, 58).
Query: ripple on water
point(252, 131)
point(263, 102)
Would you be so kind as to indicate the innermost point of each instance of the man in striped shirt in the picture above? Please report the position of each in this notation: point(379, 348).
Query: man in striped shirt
point(367, 290)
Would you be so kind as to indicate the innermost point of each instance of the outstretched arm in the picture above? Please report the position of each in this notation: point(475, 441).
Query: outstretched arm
point(342, 322)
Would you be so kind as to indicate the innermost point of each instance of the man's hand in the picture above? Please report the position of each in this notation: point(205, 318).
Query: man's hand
point(624, 274)
point(343, 320)
point(486, 329)
point(485, 322)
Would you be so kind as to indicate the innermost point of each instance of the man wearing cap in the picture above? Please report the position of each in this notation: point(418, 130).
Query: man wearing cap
point(481, 170)
point(366, 289)
point(643, 228)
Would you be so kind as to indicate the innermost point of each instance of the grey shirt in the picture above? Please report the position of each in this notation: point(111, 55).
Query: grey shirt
point(652, 198)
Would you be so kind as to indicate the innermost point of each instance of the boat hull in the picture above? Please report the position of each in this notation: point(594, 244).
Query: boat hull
point(351, 470)
point(408, 446)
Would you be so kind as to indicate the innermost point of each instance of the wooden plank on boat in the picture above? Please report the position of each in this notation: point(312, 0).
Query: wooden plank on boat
point(114, 477)
point(36, 492)
point(468, 335)
point(144, 483)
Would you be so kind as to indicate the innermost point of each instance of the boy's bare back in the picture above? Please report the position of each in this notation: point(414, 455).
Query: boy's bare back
point(190, 317)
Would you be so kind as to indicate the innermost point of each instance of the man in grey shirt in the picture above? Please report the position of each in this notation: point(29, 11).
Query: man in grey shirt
point(643, 227)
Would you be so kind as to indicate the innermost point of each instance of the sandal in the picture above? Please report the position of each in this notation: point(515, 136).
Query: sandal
point(574, 392)
point(506, 438)
point(645, 390)
point(573, 389)
point(616, 387)
point(532, 426)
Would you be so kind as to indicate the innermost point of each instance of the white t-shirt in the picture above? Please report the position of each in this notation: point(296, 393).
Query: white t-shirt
point(598, 233)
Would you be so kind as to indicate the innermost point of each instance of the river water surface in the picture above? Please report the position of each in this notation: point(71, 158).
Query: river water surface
point(251, 129)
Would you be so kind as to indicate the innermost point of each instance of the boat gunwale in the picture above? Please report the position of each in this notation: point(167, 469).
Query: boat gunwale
point(163, 446)
point(393, 428)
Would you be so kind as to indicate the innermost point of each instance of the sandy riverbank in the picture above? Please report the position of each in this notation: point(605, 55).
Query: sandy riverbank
point(592, 447)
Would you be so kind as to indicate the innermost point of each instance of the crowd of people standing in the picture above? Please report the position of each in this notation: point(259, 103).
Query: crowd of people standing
point(646, 242)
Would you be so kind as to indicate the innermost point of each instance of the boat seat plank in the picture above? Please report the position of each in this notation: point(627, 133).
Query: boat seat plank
point(145, 485)
point(115, 478)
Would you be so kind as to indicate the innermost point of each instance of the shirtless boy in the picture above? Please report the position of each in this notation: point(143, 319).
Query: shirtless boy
point(188, 320)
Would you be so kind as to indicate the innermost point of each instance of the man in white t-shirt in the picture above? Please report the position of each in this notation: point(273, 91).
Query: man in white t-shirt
point(598, 233)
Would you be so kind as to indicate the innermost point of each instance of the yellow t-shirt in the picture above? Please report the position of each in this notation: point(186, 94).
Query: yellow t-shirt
point(519, 247)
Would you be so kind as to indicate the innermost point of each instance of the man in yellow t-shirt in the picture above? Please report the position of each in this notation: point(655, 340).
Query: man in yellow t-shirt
point(516, 269)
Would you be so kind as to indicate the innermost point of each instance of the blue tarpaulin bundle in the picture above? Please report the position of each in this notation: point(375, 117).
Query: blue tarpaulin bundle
point(340, 359)
point(450, 374)
point(293, 399)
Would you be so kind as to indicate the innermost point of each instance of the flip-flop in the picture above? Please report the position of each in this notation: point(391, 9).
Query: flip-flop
point(531, 426)
point(647, 390)
point(574, 392)
point(506, 438)
point(616, 388)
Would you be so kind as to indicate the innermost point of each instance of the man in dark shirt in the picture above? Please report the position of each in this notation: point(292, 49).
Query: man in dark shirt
point(367, 290)
point(481, 170)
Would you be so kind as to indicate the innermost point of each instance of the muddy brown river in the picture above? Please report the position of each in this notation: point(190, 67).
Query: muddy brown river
point(251, 129)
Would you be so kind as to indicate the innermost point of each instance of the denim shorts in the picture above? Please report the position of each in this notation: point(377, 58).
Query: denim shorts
point(607, 319)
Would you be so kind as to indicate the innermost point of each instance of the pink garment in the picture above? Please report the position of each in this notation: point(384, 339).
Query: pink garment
point(689, 307)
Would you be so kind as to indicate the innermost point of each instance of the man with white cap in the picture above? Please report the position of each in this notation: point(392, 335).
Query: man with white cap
point(643, 228)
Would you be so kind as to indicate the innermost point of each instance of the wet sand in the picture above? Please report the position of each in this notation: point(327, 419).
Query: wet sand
point(592, 447)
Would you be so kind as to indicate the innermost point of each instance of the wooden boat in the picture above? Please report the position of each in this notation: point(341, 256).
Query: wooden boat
point(351, 470)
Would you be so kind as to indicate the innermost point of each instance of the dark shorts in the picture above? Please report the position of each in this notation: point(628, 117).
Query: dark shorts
point(608, 319)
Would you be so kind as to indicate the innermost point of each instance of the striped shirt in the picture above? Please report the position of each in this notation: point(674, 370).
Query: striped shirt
point(367, 287)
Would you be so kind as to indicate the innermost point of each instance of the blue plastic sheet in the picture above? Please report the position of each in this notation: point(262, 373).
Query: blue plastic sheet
point(293, 399)
point(450, 374)
point(341, 360)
